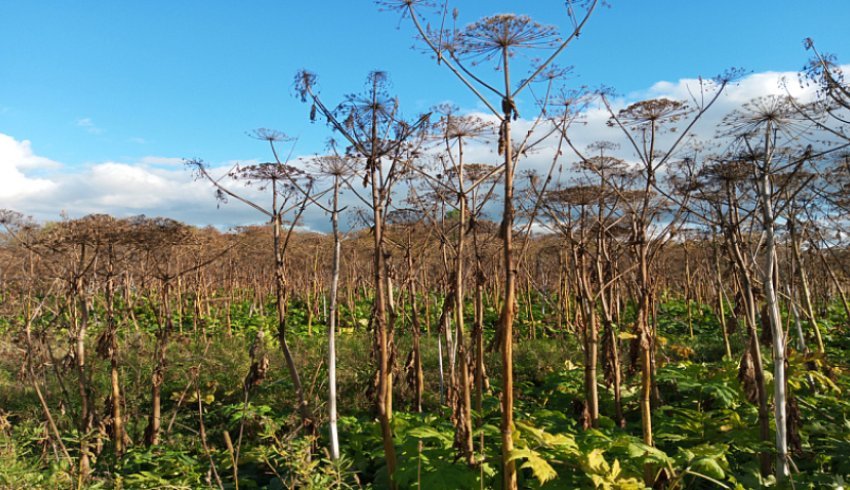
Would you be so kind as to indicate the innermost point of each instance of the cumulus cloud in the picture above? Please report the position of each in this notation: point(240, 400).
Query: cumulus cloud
point(165, 161)
point(592, 127)
point(131, 188)
point(152, 185)
point(161, 186)
point(17, 164)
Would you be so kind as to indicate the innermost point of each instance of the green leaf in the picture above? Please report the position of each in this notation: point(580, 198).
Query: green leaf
point(615, 469)
point(709, 466)
point(427, 432)
point(647, 453)
point(595, 462)
point(539, 467)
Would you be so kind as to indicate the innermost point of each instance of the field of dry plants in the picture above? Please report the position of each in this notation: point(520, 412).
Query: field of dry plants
point(663, 312)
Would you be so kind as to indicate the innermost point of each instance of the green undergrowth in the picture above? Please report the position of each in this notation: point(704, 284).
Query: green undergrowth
point(706, 433)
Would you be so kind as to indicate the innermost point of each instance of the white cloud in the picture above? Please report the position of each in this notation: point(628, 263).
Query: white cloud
point(16, 159)
point(161, 186)
point(130, 188)
point(153, 185)
point(164, 161)
point(89, 125)
point(592, 128)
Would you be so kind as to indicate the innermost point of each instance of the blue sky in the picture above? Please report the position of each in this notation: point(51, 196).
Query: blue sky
point(117, 81)
point(189, 78)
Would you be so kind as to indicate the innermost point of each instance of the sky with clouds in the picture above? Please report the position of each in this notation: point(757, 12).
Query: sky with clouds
point(100, 102)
